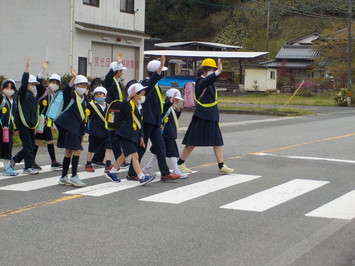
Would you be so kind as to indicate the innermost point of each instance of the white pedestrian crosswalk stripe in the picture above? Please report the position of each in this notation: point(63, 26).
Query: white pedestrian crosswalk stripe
point(274, 196)
point(51, 181)
point(340, 208)
point(199, 189)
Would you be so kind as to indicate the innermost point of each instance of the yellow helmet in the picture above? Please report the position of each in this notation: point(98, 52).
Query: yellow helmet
point(209, 62)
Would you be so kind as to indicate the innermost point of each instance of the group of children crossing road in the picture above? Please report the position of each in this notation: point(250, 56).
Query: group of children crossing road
point(119, 120)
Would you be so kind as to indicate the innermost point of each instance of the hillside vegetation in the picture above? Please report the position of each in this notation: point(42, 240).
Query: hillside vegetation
point(242, 23)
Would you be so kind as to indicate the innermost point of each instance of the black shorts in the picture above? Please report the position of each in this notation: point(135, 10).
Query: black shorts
point(46, 135)
point(128, 147)
point(97, 144)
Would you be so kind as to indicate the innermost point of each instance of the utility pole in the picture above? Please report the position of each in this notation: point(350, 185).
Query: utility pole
point(349, 54)
point(267, 28)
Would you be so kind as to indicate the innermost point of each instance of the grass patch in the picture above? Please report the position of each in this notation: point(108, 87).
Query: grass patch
point(279, 99)
point(264, 110)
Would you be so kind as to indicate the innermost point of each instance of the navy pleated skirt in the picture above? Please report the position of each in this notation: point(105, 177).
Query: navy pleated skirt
point(203, 132)
point(68, 140)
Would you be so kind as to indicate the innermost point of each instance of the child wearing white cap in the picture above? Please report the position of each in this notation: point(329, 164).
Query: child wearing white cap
point(95, 127)
point(7, 125)
point(29, 118)
point(71, 127)
point(170, 125)
point(45, 128)
point(130, 132)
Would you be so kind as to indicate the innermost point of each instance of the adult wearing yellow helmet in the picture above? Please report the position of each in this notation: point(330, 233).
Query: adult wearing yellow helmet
point(204, 127)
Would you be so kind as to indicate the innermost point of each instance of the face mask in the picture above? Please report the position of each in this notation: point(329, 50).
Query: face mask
point(142, 100)
point(80, 91)
point(99, 100)
point(8, 92)
point(210, 72)
point(53, 87)
point(33, 89)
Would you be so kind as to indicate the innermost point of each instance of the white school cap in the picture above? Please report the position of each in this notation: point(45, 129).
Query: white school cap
point(154, 65)
point(139, 87)
point(7, 81)
point(81, 79)
point(99, 89)
point(117, 66)
point(170, 93)
point(32, 79)
point(55, 76)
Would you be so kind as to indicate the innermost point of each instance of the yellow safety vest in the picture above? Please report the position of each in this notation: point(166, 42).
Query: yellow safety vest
point(160, 98)
point(118, 90)
point(207, 104)
point(135, 122)
point(80, 107)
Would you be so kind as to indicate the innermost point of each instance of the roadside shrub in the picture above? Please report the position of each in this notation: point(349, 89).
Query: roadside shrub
point(340, 98)
point(306, 93)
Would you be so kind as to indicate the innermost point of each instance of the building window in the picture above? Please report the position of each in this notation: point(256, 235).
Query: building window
point(272, 74)
point(82, 66)
point(127, 6)
point(188, 64)
point(92, 2)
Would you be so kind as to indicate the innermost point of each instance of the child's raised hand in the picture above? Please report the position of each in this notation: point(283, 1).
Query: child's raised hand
point(72, 71)
point(220, 67)
point(162, 60)
point(44, 65)
point(119, 57)
point(28, 63)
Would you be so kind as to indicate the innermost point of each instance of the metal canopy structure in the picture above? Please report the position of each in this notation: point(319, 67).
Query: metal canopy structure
point(204, 54)
point(195, 45)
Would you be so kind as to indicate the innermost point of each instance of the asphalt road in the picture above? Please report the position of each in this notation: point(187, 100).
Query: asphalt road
point(273, 211)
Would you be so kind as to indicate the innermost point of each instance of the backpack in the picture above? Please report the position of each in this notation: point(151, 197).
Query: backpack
point(189, 101)
point(55, 108)
point(113, 117)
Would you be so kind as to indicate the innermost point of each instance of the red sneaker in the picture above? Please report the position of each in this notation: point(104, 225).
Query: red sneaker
point(89, 168)
point(108, 168)
point(170, 177)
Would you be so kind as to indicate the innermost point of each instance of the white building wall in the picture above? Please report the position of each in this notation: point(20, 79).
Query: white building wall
point(38, 29)
point(109, 14)
point(260, 78)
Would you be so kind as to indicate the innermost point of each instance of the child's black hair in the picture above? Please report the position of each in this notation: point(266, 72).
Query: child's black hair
point(12, 85)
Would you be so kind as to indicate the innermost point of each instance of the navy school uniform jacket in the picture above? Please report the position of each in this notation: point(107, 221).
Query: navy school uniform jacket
point(207, 113)
point(126, 129)
point(151, 106)
point(5, 118)
point(170, 130)
point(71, 120)
point(111, 86)
point(28, 101)
point(95, 125)
point(44, 97)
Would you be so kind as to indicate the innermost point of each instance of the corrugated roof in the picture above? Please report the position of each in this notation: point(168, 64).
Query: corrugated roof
point(204, 54)
point(196, 43)
point(287, 63)
point(297, 52)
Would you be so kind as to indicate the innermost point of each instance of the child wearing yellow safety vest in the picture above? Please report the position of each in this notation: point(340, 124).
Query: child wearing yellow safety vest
point(170, 126)
point(28, 113)
point(95, 127)
point(130, 132)
point(204, 127)
point(71, 127)
point(8, 110)
point(44, 131)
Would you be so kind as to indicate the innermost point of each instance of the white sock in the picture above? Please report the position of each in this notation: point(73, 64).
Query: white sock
point(141, 175)
point(174, 164)
point(6, 163)
point(151, 162)
point(113, 170)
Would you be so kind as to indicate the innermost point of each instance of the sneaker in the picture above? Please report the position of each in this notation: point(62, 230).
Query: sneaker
point(132, 178)
point(55, 166)
point(108, 168)
point(181, 174)
point(89, 168)
point(148, 171)
point(169, 177)
point(98, 164)
point(146, 179)
point(37, 167)
point(125, 164)
point(184, 169)
point(9, 172)
point(64, 181)
point(225, 170)
point(113, 177)
point(76, 182)
point(30, 171)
